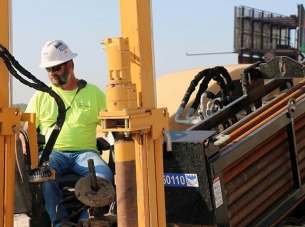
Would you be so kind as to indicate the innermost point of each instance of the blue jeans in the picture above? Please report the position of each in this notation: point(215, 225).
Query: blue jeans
point(63, 163)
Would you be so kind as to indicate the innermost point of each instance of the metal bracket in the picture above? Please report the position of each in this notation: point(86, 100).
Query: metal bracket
point(154, 121)
point(9, 119)
point(291, 134)
point(282, 67)
point(291, 108)
point(220, 139)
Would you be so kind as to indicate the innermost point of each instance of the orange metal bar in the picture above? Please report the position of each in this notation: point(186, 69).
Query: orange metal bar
point(257, 122)
point(142, 120)
point(259, 151)
point(269, 108)
point(136, 24)
point(7, 136)
point(251, 187)
point(142, 180)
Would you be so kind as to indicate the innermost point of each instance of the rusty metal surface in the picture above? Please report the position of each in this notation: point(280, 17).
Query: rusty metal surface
point(282, 190)
point(107, 220)
point(264, 112)
point(262, 176)
point(242, 189)
point(259, 151)
point(262, 149)
point(268, 160)
point(262, 179)
point(102, 197)
point(269, 105)
point(272, 188)
point(282, 67)
point(127, 211)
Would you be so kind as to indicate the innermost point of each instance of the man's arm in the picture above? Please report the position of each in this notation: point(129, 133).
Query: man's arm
point(25, 128)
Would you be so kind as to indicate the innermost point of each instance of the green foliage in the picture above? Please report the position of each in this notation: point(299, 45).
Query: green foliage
point(22, 106)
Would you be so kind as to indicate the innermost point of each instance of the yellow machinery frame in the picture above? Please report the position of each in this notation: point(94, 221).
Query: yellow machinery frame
point(146, 124)
point(8, 117)
point(131, 98)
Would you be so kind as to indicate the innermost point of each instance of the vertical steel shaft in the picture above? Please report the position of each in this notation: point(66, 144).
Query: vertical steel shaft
point(94, 186)
point(126, 190)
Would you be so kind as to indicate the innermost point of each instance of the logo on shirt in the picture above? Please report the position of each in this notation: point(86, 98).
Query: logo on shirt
point(83, 105)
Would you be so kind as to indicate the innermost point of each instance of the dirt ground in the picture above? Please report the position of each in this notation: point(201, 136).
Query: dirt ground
point(21, 220)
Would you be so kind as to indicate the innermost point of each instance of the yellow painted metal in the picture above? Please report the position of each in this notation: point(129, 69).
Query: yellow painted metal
point(9, 181)
point(152, 181)
point(142, 179)
point(160, 206)
point(4, 40)
point(120, 91)
point(118, 60)
point(121, 97)
point(124, 151)
point(136, 25)
point(7, 134)
point(2, 196)
point(156, 120)
point(132, 55)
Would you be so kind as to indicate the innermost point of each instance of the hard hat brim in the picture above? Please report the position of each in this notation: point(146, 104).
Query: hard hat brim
point(57, 62)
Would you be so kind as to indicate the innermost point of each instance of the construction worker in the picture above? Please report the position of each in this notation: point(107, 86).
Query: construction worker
point(76, 142)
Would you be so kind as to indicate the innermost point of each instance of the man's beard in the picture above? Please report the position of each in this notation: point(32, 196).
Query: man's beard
point(61, 80)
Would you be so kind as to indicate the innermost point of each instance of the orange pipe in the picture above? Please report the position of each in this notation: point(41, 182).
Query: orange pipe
point(265, 121)
point(269, 108)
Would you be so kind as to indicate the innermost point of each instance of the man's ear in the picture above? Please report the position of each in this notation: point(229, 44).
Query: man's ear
point(69, 65)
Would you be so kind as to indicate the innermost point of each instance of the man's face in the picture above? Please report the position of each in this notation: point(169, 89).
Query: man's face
point(60, 76)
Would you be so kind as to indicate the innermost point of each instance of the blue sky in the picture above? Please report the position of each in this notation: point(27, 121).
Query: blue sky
point(179, 26)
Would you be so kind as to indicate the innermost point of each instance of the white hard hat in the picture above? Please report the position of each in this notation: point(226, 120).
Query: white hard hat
point(54, 53)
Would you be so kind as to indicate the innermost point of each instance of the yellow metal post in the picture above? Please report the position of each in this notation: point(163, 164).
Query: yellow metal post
point(136, 24)
point(131, 101)
point(4, 40)
point(7, 135)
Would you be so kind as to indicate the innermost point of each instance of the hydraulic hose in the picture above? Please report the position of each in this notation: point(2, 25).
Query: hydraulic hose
point(189, 92)
point(27, 144)
point(43, 170)
point(202, 88)
point(218, 74)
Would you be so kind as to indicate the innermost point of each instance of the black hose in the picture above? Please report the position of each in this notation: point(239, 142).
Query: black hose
point(27, 145)
point(224, 72)
point(202, 88)
point(11, 64)
point(192, 87)
point(218, 74)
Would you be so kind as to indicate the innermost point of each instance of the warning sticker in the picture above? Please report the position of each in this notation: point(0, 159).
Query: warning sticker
point(217, 192)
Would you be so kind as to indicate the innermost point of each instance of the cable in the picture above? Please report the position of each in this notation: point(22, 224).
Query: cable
point(218, 74)
point(43, 171)
point(66, 219)
point(27, 145)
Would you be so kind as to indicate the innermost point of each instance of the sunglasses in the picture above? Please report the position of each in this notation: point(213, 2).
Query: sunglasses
point(55, 68)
